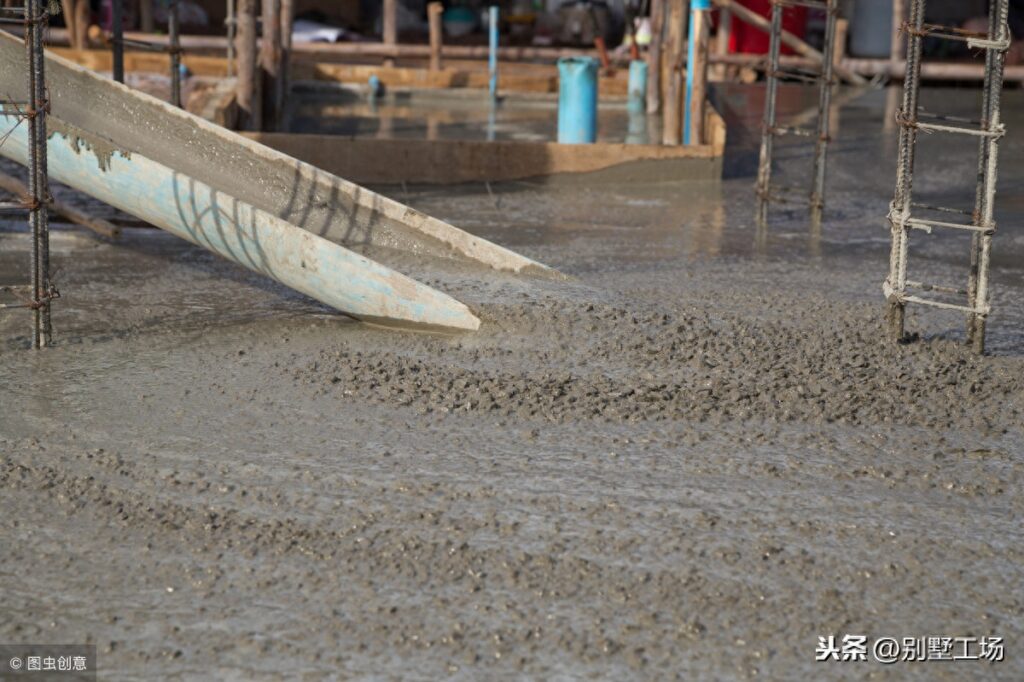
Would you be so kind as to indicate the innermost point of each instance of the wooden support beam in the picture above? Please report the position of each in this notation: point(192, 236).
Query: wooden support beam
point(899, 15)
point(284, 71)
point(839, 47)
point(698, 98)
point(522, 77)
point(270, 62)
point(386, 160)
point(434, 12)
point(146, 22)
point(722, 39)
point(143, 62)
point(674, 56)
point(389, 26)
point(341, 51)
point(14, 186)
point(654, 57)
point(788, 39)
point(250, 104)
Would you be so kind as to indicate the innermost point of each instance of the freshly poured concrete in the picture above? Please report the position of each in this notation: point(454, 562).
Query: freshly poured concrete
point(688, 462)
point(451, 115)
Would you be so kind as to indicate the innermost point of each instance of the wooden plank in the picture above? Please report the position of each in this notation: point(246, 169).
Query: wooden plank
point(434, 12)
point(217, 103)
point(701, 35)
point(534, 80)
point(393, 161)
point(389, 27)
point(102, 227)
point(250, 82)
point(270, 62)
point(424, 78)
point(318, 51)
point(143, 62)
point(674, 58)
point(790, 40)
point(524, 78)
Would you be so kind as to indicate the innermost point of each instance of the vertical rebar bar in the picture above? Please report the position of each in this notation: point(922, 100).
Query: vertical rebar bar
point(173, 33)
point(231, 26)
point(900, 210)
point(980, 193)
point(764, 170)
point(35, 17)
point(999, 32)
point(35, 275)
point(817, 200)
point(117, 42)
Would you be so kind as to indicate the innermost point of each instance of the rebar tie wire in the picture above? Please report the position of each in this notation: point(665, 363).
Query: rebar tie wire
point(906, 121)
point(52, 294)
point(978, 41)
point(22, 115)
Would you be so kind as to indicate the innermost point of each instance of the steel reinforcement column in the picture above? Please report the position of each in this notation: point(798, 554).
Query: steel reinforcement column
point(896, 284)
point(43, 290)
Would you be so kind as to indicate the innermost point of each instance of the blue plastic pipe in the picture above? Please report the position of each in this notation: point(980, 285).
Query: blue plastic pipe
point(577, 100)
point(637, 102)
point(492, 57)
point(691, 56)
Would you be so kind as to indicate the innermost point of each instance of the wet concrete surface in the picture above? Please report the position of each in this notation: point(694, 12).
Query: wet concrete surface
point(453, 115)
point(687, 462)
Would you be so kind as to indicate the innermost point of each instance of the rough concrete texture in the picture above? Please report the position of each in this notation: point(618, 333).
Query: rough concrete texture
point(686, 463)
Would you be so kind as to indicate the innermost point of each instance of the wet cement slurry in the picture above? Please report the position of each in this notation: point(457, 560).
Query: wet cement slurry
point(689, 461)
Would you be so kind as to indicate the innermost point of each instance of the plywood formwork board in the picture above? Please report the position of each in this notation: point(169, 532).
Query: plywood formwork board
point(528, 78)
